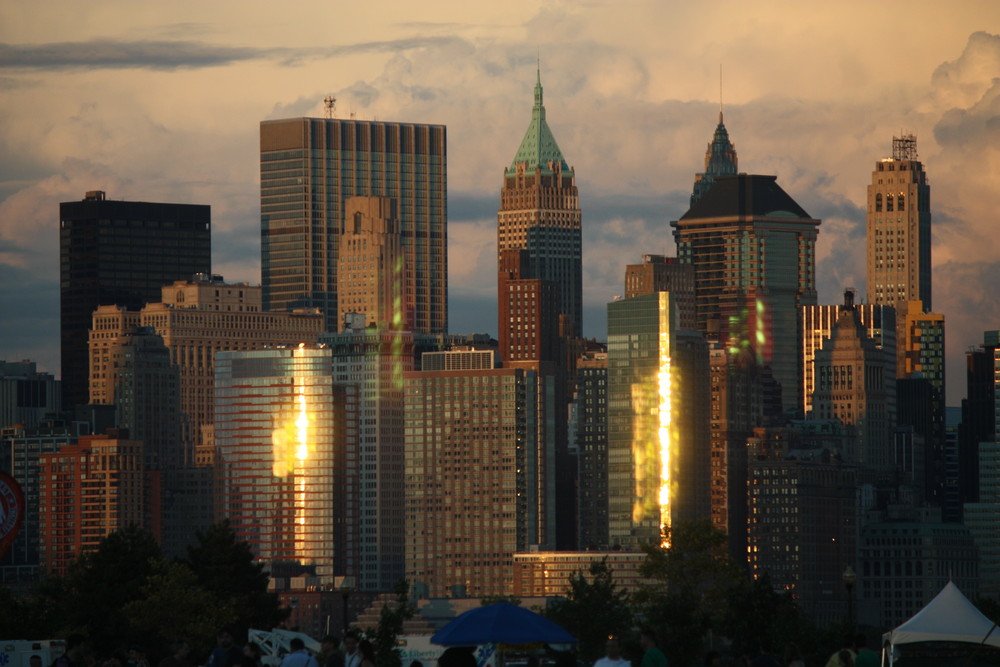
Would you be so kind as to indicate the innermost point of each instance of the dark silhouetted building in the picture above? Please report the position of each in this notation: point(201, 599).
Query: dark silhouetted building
point(120, 253)
point(720, 160)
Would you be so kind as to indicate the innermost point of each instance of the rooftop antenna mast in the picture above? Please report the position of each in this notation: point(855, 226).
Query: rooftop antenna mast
point(331, 106)
point(720, 93)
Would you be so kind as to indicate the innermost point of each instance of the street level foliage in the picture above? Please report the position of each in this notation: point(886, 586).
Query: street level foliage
point(127, 593)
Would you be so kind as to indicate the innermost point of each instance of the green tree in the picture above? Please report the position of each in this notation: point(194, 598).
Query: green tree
point(91, 598)
point(173, 605)
point(390, 625)
point(224, 566)
point(594, 610)
point(692, 579)
point(757, 614)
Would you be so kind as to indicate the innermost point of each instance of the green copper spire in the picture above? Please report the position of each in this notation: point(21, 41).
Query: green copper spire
point(539, 147)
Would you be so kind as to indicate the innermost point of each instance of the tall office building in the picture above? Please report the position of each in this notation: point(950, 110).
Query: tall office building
point(540, 213)
point(720, 160)
point(816, 325)
point(589, 434)
point(87, 491)
point(528, 312)
point(120, 253)
point(856, 384)
point(659, 273)
point(374, 362)
point(753, 251)
point(921, 348)
point(27, 396)
point(370, 264)
point(475, 470)
point(658, 421)
point(898, 225)
point(980, 412)
point(309, 167)
point(286, 442)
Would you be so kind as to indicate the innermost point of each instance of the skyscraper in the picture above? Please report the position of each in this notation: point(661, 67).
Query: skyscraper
point(898, 225)
point(658, 421)
point(120, 253)
point(287, 457)
point(370, 264)
point(540, 213)
point(309, 167)
point(720, 160)
point(753, 251)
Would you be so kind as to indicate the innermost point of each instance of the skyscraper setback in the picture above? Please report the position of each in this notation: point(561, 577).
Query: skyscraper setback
point(309, 167)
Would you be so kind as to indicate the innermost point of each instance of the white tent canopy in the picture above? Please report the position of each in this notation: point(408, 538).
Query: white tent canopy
point(949, 617)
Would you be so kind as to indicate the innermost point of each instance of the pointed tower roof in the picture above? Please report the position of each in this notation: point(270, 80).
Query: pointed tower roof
point(539, 147)
point(720, 158)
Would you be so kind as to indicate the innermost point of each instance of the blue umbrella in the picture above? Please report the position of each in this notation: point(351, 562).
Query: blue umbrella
point(500, 623)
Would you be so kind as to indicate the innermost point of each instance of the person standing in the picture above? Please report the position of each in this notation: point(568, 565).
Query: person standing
point(178, 656)
point(613, 655)
point(652, 655)
point(299, 656)
point(367, 651)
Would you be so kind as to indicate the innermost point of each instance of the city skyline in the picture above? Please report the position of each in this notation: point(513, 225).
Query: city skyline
point(161, 104)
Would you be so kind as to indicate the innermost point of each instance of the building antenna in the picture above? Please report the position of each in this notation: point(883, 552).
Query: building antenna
point(330, 103)
point(720, 93)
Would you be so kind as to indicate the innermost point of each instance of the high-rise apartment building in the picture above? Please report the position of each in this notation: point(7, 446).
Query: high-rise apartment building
point(309, 168)
point(528, 312)
point(474, 474)
point(921, 348)
point(753, 251)
point(87, 491)
point(540, 214)
point(286, 443)
point(658, 421)
point(898, 226)
point(195, 318)
point(120, 253)
point(720, 160)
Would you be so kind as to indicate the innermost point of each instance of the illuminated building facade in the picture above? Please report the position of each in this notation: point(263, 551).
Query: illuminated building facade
point(310, 167)
point(547, 573)
point(898, 226)
point(856, 384)
point(375, 361)
point(85, 492)
point(370, 264)
point(120, 253)
point(753, 251)
point(658, 421)
point(528, 312)
point(589, 428)
point(659, 273)
point(475, 479)
point(816, 324)
point(720, 160)
point(286, 443)
point(196, 318)
point(540, 214)
point(921, 349)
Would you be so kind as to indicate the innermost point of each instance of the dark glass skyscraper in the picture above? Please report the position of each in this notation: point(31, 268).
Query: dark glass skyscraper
point(309, 167)
point(120, 253)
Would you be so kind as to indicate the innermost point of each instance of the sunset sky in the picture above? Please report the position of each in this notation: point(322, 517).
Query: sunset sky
point(161, 101)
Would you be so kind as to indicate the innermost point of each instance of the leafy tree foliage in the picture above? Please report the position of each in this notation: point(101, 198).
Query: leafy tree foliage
point(224, 566)
point(390, 625)
point(594, 610)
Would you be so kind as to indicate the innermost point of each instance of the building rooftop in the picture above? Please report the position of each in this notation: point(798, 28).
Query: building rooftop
point(746, 195)
point(539, 147)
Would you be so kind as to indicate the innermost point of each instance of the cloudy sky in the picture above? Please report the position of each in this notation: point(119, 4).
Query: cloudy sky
point(158, 101)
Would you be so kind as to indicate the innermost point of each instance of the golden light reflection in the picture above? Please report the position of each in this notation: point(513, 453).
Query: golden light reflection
point(664, 432)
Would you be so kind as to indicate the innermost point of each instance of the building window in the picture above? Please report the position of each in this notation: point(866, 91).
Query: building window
point(878, 202)
point(888, 202)
point(902, 202)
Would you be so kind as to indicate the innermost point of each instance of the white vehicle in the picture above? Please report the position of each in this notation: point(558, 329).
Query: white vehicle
point(274, 644)
point(18, 652)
